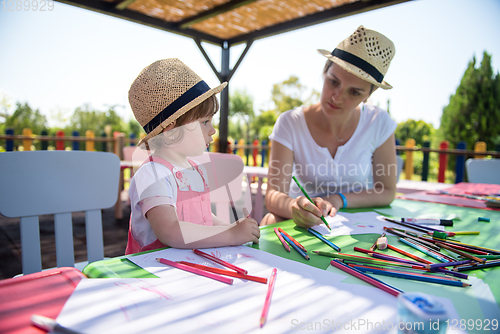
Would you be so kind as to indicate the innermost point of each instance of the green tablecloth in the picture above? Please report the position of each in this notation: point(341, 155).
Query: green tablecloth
point(489, 237)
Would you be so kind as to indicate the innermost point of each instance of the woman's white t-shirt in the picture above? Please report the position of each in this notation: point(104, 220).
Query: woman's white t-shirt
point(318, 172)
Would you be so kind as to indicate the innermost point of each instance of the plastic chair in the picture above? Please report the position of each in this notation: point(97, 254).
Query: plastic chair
point(225, 176)
point(400, 163)
point(37, 183)
point(483, 170)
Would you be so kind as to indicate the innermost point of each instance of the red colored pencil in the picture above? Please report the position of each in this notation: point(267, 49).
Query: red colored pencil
point(416, 258)
point(195, 271)
point(364, 277)
point(221, 262)
point(292, 239)
point(225, 272)
point(282, 240)
point(386, 257)
point(269, 294)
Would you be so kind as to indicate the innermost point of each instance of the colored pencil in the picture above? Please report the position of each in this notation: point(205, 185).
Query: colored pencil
point(448, 264)
point(392, 287)
point(464, 254)
point(413, 226)
point(267, 303)
point(405, 235)
point(322, 238)
point(415, 277)
point(479, 266)
point(225, 272)
point(400, 251)
point(466, 232)
point(310, 200)
point(297, 248)
point(221, 262)
point(447, 257)
point(283, 242)
point(489, 250)
point(195, 271)
point(366, 259)
point(292, 239)
point(387, 257)
point(388, 266)
point(423, 250)
point(457, 246)
point(403, 272)
point(365, 277)
point(490, 257)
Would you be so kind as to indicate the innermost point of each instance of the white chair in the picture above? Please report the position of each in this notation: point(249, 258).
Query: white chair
point(400, 163)
point(225, 176)
point(37, 183)
point(483, 170)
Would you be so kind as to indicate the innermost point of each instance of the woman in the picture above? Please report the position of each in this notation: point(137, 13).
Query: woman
point(341, 150)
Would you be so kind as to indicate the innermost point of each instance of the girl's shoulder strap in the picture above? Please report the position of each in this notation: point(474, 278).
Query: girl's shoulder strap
point(201, 170)
point(154, 158)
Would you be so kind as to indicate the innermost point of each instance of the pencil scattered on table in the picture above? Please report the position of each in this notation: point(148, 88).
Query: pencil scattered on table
point(221, 262)
point(225, 272)
point(292, 239)
point(269, 294)
point(297, 248)
point(322, 238)
point(283, 242)
point(309, 198)
point(367, 278)
point(196, 271)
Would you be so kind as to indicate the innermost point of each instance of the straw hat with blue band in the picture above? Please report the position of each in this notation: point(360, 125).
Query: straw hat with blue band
point(366, 53)
point(163, 92)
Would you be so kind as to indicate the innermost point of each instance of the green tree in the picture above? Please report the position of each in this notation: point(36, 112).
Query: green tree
point(265, 123)
point(25, 117)
point(241, 107)
point(474, 110)
point(418, 130)
point(290, 94)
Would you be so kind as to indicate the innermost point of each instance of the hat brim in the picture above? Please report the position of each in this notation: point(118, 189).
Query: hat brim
point(182, 111)
point(354, 70)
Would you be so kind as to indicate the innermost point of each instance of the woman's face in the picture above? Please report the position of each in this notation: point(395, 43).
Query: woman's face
point(342, 91)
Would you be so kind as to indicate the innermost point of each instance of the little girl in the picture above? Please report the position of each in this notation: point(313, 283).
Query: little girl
point(169, 193)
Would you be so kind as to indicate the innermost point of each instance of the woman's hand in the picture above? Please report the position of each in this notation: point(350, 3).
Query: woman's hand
point(306, 214)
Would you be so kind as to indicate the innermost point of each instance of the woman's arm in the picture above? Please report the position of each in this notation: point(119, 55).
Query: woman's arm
point(384, 169)
point(180, 234)
point(300, 209)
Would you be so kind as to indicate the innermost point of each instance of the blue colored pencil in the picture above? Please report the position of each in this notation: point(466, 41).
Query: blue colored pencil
point(322, 238)
point(301, 252)
point(413, 277)
point(423, 250)
point(456, 263)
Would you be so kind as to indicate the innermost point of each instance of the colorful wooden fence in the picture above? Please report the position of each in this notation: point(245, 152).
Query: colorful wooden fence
point(259, 152)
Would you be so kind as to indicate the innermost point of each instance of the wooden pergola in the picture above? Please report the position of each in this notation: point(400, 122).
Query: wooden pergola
point(226, 23)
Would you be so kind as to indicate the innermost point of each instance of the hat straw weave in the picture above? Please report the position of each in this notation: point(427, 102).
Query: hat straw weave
point(366, 53)
point(164, 91)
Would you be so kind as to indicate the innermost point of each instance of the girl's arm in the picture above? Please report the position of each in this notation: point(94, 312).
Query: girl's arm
point(384, 181)
point(180, 234)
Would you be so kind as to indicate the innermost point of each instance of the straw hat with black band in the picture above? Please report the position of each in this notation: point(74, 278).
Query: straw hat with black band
point(366, 53)
point(163, 92)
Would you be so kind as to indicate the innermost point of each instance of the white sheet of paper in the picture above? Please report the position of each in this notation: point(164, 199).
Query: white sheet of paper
point(182, 302)
point(358, 223)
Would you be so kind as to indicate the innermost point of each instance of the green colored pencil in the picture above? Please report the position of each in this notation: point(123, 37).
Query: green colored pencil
point(309, 198)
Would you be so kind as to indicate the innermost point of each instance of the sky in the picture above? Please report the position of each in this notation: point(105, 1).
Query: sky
point(62, 59)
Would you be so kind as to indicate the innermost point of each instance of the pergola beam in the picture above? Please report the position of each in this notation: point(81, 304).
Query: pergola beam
point(228, 6)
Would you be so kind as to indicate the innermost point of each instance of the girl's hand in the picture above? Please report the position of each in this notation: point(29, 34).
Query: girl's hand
point(245, 230)
point(306, 214)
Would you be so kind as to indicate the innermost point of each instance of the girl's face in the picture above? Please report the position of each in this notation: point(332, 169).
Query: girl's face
point(342, 91)
point(197, 136)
